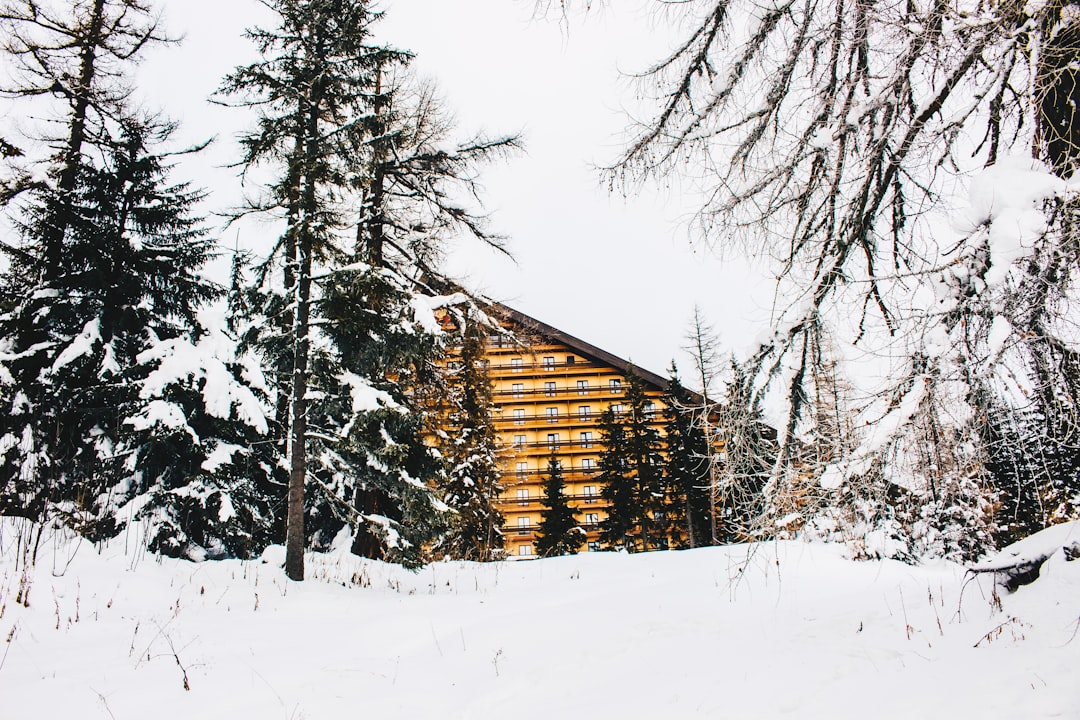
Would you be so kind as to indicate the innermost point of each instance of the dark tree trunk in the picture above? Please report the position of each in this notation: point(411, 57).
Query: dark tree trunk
point(72, 158)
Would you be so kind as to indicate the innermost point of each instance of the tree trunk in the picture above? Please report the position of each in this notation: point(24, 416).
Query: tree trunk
point(58, 222)
point(294, 537)
point(305, 241)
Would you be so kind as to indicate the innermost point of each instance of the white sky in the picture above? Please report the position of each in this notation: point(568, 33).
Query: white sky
point(618, 273)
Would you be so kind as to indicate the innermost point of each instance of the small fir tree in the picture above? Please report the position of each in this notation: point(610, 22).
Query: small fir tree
point(617, 487)
point(645, 464)
point(631, 468)
point(559, 532)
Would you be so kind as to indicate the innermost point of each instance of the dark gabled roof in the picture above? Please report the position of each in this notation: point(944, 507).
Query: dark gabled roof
point(586, 349)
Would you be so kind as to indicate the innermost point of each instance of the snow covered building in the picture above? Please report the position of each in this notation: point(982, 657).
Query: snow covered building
point(549, 389)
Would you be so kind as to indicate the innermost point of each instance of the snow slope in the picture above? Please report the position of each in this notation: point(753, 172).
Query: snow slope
point(767, 631)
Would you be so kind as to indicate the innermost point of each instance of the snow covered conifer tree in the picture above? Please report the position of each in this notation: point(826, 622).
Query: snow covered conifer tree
point(559, 532)
point(62, 338)
point(472, 484)
point(348, 289)
point(311, 87)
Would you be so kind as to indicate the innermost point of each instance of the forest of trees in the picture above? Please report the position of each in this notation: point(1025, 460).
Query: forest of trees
point(282, 408)
point(286, 406)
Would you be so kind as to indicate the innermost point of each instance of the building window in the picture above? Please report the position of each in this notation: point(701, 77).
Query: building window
point(453, 365)
point(615, 386)
point(590, 494)
point(549, 362)
point(523, 496)
point(518, 389)
point(515, 364)
point(616, 409)
point(650, 408)
point(553, 440)
point(592, 519)
point(519, 416)
point(553, 415)
point(586, 439)
point(549, 389)
point(524, 550)
point(523, 525)
point(582, 387)
point(570, 359)
point(583, 411)
point(522, 469)
point(594, 546)
point(519, 441)
point(587, 464)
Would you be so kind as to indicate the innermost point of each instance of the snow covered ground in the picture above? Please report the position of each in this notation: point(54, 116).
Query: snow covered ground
point(778, 630)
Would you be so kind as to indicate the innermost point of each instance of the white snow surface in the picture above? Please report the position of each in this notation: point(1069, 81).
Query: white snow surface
point(779, 630)
point(204, 363)
point(82, 344)
point(366, 398)
point(1008, 198)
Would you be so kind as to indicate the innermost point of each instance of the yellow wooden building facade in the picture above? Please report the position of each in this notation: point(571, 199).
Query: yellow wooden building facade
point(548, 391)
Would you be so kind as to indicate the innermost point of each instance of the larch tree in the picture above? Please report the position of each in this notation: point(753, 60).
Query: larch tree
point(749, 455)
point(833, 139)
point(80, 57)
point(343, 306)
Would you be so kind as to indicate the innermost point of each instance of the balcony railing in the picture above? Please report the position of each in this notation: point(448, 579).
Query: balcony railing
point(546, 367)
point(544, 471)
point(555, 445)
point(566, 392)
point(537, 417)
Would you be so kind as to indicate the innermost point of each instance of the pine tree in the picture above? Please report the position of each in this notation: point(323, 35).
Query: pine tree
point(203, 481)
point(646, 463)
point(559, 532)
point(81, 58)
point(128, 279)
point(311, 89)
point(348, 331)
point(472, 485)
point(687, 459)
point(67, 336)
point(631, 470)
point(617, 487)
